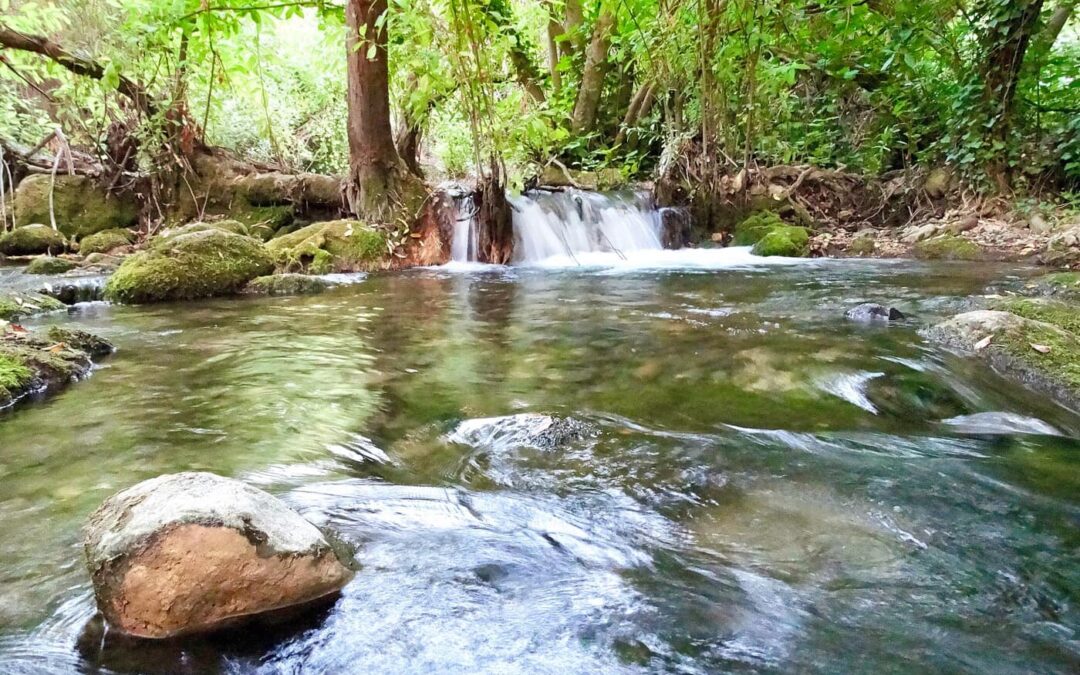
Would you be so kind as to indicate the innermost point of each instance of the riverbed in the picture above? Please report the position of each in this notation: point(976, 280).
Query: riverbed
point(769, 488)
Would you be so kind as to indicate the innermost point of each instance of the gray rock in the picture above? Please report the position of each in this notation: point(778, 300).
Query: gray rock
point(528, 429)
point(193, 552)
point(869, 312)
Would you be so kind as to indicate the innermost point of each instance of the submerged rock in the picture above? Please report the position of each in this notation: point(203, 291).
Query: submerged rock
point(287, 284)
point(527, 429)
point(105, 241)
point(1039, 354)
point(194, 265)
point(193, 552)
point(332, 246)
point(32, 240)
point(50, 265)
point(869, 312)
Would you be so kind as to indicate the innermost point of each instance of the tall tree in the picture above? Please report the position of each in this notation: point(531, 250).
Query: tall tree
point(592, 75)
point(378, 179)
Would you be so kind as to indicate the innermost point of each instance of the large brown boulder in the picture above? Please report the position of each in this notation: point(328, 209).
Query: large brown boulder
point(193, 552)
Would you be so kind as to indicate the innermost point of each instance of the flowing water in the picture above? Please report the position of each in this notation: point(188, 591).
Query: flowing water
point(769, 488)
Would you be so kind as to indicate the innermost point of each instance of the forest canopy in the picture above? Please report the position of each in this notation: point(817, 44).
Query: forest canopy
point(987, 86)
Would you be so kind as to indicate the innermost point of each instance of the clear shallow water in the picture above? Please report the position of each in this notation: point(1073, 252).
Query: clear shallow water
point(772, 489)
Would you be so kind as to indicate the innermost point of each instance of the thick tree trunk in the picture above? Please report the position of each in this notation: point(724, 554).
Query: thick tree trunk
point(592, 76)
point(554, 30)
point(639, 107)
point(573, 27)
point(1006, 45)
point(375, 169)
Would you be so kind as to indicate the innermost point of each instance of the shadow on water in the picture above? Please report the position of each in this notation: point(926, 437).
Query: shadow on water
point(760, 480)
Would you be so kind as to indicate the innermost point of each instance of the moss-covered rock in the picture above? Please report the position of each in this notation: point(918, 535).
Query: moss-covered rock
point(332, 246)
point(30, 363)
point(263, 221)
point(102, 262)
point(32, 239)
point(1063, 249)
point(862, 245)
point(1042, 355)
point(188, 266)
point(228, 225)
point(15, 306)
point(105, 241)
point(948, 247)
point(287, 284)
point(787, 241)
point(81, 206)
point(1061, 314)
point(754, 227)
point(48, 264)
point(1065, 285)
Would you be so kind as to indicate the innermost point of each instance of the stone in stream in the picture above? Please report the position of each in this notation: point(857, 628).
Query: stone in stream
point(527, 429)
point(194, 552)
point(869, 312)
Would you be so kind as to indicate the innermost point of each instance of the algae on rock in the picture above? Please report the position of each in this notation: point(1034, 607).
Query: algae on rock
point(15, 305)
point(80, 205)
point(48, 264)
point(32, 239)
point(332, 246)
point(788, 241)
point(188, 266)
point(287, 284)
point(105, 241)
point(948, 247)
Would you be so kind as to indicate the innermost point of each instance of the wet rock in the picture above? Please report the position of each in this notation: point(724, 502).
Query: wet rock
point(32, 240)
point(15, 306)
point(948, 247)
point(198, 264)
point(754, 227)
point(869, 312)
point(527, 429)
point(105, 241)
point(80, 205)
point(194, 552)
point(1036, 353)
point(1064, 285)
point(287, 284)
point(1003, 423)
point(75, 289)
point(918, 233)
point(30, 363)
point(50, 265)
point(332, 246)
point(788, 241)
point(675, 227)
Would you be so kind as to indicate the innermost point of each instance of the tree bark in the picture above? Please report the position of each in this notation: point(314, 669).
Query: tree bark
point(13, 39)
point(1006, 46)
point(1046, 38)
point(572, 26)
point(554, 30)
point(375, 169)
point(639, 106)
point(592, 76)
point(528, 75)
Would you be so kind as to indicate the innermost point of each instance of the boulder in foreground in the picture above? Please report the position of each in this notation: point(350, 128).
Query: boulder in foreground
point(194, 552)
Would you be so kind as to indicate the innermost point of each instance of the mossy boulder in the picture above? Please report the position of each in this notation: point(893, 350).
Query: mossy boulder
point(105, 241)
point(48, 264)
point(862, 245)
point(332, 246)
point(228, 225)
point(754, 227)
point(948, 247)
point(787, 241)
point(80, 205)
point(287, 284)
point(32, 239)
point(30, 363)
point(1063, 249)
point(15, 306)
point(1064, 315)
point(1041, 355)
point(1060, 284)
point(184, 267)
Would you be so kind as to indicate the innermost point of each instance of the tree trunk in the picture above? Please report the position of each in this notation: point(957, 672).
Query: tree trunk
point(375, 169)
point(1046, 38)
point(554, 30)
point(592, 76)
point(1006, 45)
point(573, 26)
point(501, 14)
point(639, 106)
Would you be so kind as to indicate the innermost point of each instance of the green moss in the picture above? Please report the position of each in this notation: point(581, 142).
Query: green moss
point(233, 226)
point(333, 246)
point(80, 340)
point(947, 247)
point(105, 241)
point(14, 306)
point(754, 227)
point(1061, 362)
point(14, 377)
point(194, 265)
point(263, 221)
point(81, 206)
point(1063, 315)
point(32, 240)
point(787, 241)
point(287, 284)
point(47, 264)
point(862, 246)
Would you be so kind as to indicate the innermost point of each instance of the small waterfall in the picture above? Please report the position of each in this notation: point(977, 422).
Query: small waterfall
point(466, 241)
point(575, 223)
